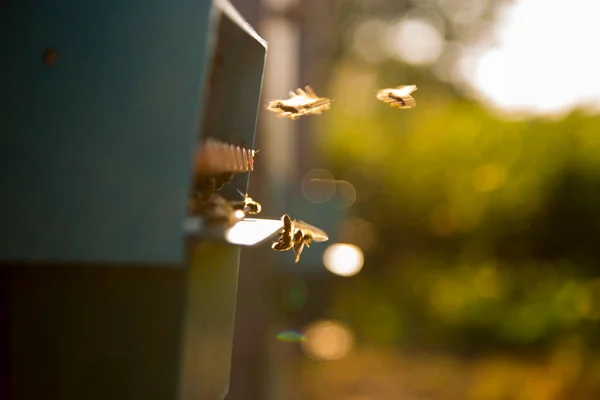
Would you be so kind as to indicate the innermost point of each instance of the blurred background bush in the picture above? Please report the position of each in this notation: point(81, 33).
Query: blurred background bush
point(464, 253)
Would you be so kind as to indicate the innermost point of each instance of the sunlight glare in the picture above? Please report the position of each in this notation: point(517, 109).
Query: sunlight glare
point(251, 231)
point(545, 62)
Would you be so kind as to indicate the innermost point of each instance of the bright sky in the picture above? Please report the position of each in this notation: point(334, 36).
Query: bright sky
point(546, 59)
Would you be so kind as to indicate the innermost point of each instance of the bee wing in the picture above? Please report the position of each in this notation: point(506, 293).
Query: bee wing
point(404, 90)
point(281, 246)
point(318, 234)
point(297, 101)
point(383, 94)
point(310, 91)
point(315, 106)
point(322, 103)
point(298, 247)
point(286, 221)
point(301, 92)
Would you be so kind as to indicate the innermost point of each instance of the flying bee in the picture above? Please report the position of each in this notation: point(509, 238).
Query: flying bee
point(304, 235)
point(299, 243)
point(399, 97)
point(300, 103)
point(248, 205)
point(292, 112)
point(286, 240)
point(297, 234)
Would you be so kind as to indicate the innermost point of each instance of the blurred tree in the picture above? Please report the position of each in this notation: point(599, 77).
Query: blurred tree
point(453, 189)
point(486, 227)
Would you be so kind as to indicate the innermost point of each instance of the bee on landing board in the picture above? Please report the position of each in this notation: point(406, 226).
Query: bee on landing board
point(399, 97)
point(248, 205)
point(216, 211)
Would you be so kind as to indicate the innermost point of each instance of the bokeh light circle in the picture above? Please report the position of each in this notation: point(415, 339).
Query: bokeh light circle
point(416, 41)
point(367, 39)
point(360, 232)
point(318, 186)
point(343, 259)
point(327, 340)
point(347, 193)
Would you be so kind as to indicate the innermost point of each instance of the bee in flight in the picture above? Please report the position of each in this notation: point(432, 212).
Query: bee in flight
point(301, 239)
point(297, 234)
point(300, 103)
point(399, 97)
point(285, 241)
point(248, 205)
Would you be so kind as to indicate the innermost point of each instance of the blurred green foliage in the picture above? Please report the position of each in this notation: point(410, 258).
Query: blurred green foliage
point(488, 228)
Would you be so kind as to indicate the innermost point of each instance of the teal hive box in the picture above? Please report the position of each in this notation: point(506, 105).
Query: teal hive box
point(103, 105)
